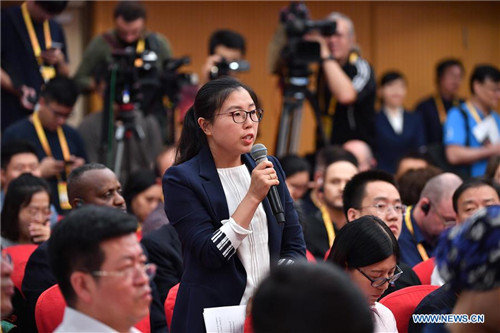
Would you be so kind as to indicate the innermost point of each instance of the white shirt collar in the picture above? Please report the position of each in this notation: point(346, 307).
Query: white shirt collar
point(76, 321)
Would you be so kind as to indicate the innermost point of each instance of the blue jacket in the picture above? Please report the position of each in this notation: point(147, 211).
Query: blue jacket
point(195, 205)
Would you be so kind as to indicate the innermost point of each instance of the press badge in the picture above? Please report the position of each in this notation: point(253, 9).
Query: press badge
point(62, 190)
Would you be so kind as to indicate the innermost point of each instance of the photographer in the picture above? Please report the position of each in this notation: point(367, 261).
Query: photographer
point(129, 31)
point(352, 118)
point(224, 45)
point(29, 58)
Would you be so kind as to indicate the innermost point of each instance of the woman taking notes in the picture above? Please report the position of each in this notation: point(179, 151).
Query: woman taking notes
point(215, 197)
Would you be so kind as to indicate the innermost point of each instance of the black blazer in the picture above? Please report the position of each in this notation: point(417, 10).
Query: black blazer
point(195, 204)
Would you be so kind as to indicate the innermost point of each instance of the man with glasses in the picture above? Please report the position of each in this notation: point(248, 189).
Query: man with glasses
point(101, 270)
point(58, 146)
point(375, 192)
point(424, 222)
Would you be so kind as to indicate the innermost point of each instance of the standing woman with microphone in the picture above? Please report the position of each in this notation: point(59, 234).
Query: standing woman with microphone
point(215, 197)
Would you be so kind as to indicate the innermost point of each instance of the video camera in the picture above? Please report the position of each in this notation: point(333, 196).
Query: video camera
point(224, 67)
point(299, 52)
point(173, 81)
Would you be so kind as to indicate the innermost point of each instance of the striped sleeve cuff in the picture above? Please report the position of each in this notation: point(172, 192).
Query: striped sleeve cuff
point(285, 262)
point(229, 237)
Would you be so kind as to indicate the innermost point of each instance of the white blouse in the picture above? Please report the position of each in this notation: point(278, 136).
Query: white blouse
point(396, 120)
point(383, 319)
point(251, 245)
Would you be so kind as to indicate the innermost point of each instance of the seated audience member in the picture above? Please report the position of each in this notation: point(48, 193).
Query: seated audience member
point(311, 202)
point(321, 227)
point(287, 301)
point(473, 195)
point(468, 259)
point(410, 161)
point(368, 251)
point(19, 157)
point(94, 184)
point(493, 169)
point(468, 198)
point(424, 222)
point(101, 270)
point(59, 147)
point(467, 142)
point(434, 109)
point(374, 192)
point(165, 159)
point(397, 131)
point(363, 154)
point(412, 182)
point(297, 171)
point(142, 194)
point(26, 212)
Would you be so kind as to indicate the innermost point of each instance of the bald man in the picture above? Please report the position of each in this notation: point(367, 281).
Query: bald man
point(363, 154)
point(424, 222)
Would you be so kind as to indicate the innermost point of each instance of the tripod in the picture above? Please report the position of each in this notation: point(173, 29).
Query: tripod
point(294, 95)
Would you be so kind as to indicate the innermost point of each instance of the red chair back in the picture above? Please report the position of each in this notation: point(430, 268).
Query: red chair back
point(424, 270)
point(20, 255)
point(403, 302)
point(49, 312)
point(170, 303)
point(310, 257)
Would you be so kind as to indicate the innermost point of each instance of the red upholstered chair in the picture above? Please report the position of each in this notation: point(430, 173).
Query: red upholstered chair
point(49, 312)
point(170, 303)
point(403, 302)
point(424, 270)
point(310, 257)
point(20, 255)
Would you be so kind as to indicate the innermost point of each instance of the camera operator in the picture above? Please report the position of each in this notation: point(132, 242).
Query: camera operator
point(352, 117)
point(224, 45)
point(129, 31)
point(33, 52)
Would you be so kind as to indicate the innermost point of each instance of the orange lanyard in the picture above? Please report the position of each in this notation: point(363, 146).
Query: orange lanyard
point(420, 247)
point(31, 32)
point(328, 225)
point(440, 107)
point(473, 112)
point(45, 143)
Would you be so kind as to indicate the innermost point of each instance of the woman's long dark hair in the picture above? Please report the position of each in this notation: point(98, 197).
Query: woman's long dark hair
point(19, 194)
point(363, 242)
point(208, 101)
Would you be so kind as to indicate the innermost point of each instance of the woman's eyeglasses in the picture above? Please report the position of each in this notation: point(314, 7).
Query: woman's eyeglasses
point(240, 116)
point(382, 280)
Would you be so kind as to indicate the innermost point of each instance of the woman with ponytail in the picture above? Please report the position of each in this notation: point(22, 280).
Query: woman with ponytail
point(215, 197)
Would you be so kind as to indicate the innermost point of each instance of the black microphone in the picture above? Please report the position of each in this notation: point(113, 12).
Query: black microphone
point(259, 154)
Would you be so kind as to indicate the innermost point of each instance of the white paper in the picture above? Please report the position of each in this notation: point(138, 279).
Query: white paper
point(225, 319)
point(487, 129)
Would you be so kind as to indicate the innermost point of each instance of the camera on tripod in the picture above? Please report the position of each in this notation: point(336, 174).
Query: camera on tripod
point(224, 68)
point(173, 81)
point(299, 52)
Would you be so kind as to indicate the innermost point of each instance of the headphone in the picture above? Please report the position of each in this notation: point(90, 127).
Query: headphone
point(426, 207)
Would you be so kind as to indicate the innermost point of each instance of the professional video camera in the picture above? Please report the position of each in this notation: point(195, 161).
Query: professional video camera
point(173, 81)
point(224, 67)
point(299, 52)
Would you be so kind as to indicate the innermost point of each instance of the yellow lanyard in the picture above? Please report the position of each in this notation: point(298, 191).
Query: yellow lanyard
point(473, 112)
point(420, 247)
point(45, 143)
point(440, 107)
point(31, 32)
point(326, 219)
point(328, 225)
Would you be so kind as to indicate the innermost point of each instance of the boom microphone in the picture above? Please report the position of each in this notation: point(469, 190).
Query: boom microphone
point(259, 154)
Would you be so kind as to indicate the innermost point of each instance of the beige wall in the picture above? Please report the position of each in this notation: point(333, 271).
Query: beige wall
point(408, 36)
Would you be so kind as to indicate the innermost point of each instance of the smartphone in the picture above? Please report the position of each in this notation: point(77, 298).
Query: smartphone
point(56, 45)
